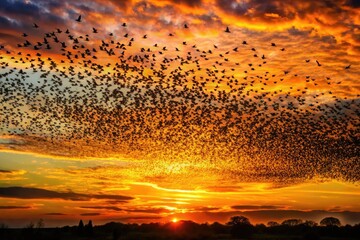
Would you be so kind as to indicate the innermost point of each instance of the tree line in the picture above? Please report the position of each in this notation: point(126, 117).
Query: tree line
point(238, 227)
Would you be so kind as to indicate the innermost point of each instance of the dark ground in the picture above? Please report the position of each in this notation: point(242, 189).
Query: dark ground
point(186, 230)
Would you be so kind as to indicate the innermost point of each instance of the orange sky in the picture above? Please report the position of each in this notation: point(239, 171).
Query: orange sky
point(210, 127)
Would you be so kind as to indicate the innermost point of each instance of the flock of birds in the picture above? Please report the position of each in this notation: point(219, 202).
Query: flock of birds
point(215, 106)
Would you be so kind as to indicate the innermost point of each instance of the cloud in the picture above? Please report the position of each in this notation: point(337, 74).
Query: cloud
point(14, 207)
point(224, 188)
point(206, 209)
point(55, 214)
point(150, 210)
point(12, 175)
point(6, 23)
point(90, 214)
point(139, 218)
point(19, 8)
point(191, 3)
point(30, 11)
point(121, 4)
point(132, 210)
point(103, 207)
point(252, 207)
point(37, 193)
point(352, 3)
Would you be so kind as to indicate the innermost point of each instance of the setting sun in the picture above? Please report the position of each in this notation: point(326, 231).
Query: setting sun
point(174, 220)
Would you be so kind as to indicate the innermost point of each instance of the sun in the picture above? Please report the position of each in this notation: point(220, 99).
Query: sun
point(174, 220)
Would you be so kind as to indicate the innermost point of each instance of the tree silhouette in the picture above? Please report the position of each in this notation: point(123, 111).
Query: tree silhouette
point(292, 222)
point(273, 224)
point(309, 223)
point(40, 223)
point(81, 224)
point(330, 221)
point(235, 220)
point(240, 227)
point(89, 228)
point(80, 228)
point(28, 232)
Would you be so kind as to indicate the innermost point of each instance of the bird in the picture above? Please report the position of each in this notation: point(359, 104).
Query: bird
point(186, 26)
point(35, 25)
point(318, 63)
point(78, 19)
point(178, 95)
point(227, 30)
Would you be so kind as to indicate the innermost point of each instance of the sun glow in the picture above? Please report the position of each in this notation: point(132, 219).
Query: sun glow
point(174, 220)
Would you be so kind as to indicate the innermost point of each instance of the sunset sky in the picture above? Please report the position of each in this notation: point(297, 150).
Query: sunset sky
point(145, 111)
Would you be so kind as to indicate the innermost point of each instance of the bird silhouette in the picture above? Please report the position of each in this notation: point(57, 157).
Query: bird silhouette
point(129, 94)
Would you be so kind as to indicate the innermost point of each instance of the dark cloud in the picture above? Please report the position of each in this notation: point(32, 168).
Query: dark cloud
point(232, 7)
point(286, 10)
point(191, 3)
point(13, 207)
point(269, 7)
point(19, 8)
point(252, 207)
point(224, 188)
point(254, 8)
point(103, 207)
point(151, 210)
point(90, 214)
point(55, 214)
point(297, 32)
point(5, 171)
point(353, 3)
point(138, 218)
point(6, 24)
point(23, 14)
point(207, 209)
point(52, 5)
point(122, 4)
point(113, 202)
point(33, 193)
